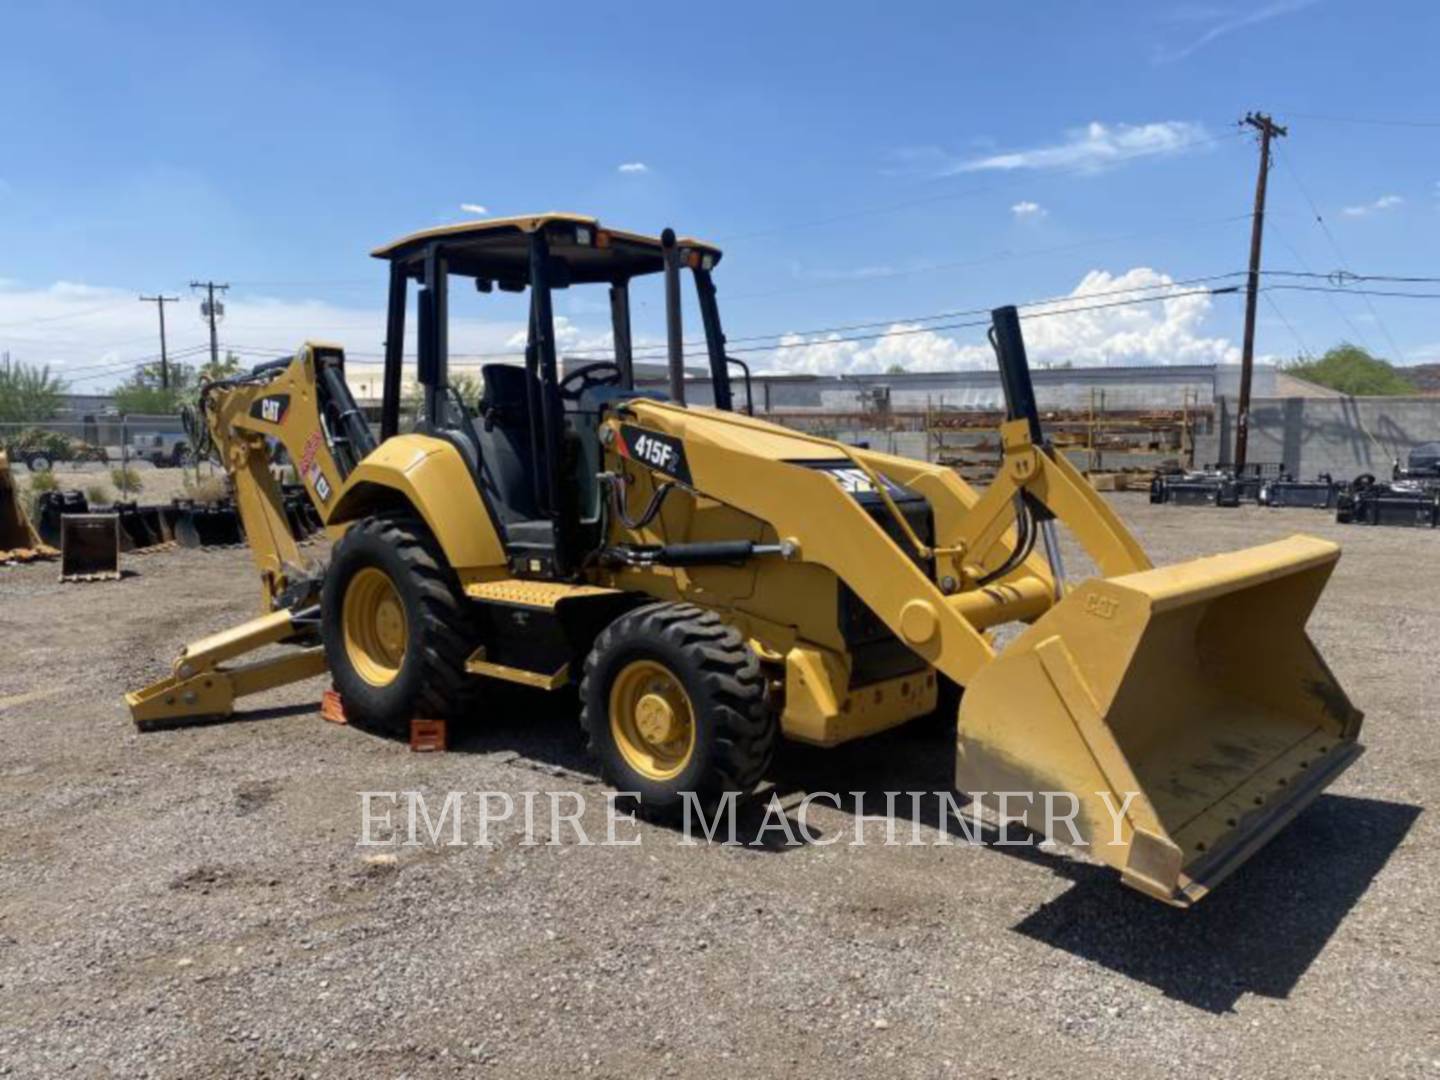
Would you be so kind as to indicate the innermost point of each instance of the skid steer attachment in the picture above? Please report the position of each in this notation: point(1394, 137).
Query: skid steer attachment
point(197, 525)
point(89, 547)
point(19, 541)
point(1170, 720)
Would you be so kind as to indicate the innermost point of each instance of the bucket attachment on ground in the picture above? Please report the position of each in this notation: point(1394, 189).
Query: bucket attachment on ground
point(19, 542)
point(89, 547)
point(142, 527)
point(54, 505)
point(1184, 709)
point(206, 524)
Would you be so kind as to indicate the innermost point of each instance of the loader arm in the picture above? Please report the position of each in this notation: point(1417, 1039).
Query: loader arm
point(1183, 709)
point(782, 477)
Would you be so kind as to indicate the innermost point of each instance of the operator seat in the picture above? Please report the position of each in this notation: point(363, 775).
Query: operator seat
point(506, 452)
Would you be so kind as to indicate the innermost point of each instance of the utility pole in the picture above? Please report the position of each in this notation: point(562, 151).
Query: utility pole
point(208, 310)
point(160, 301)
point(1268, 129)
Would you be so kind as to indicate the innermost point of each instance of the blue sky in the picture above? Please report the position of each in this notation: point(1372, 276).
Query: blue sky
point(857, 162)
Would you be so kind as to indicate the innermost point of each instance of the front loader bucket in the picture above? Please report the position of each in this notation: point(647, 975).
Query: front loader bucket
point(1182, 712)
point(89, 547)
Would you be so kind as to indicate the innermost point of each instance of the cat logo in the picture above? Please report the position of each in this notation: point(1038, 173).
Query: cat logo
point(852, 481)
point(271, 409)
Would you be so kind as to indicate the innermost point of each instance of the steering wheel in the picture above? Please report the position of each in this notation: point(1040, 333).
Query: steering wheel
point(600, 373)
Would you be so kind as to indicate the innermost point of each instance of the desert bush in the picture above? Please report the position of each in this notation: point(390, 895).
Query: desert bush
point(126, 481)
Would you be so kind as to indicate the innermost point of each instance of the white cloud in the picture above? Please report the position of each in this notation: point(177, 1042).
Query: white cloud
point(1384, 202)
point(1094, 147)
point(574, 341)
point(94, 335)
point(908, 345)
point(1166, 331)
point(1027, 209)
point(474, 208)
point(1227, 22)
point(634, 167)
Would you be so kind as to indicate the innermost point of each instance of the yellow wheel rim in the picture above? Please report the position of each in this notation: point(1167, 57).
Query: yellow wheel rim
point(651, 720)
point(373, 618)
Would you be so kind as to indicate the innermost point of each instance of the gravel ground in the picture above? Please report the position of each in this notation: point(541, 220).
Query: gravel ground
point(194, 902)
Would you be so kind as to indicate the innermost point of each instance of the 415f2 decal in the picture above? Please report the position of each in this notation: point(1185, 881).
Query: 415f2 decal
point(663, 453)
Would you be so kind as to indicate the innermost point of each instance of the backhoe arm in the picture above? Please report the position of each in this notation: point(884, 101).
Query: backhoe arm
point(303, 405)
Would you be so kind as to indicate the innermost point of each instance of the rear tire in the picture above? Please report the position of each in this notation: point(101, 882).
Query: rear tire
point(395, 627)
point(673, 701)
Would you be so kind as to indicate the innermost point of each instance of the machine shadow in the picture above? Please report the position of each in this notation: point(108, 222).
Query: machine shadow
point(1257, 933)
point(248, 716)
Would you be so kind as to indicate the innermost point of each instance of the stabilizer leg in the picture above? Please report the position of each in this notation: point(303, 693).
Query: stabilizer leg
point(200, 688)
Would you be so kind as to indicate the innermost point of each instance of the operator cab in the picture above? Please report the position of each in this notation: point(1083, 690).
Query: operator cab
point(534, 449)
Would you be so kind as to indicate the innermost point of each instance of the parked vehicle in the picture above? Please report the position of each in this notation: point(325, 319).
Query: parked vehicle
point(163, 449)
point(40, 449)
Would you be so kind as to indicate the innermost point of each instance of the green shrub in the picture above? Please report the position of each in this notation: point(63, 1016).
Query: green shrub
point(126, 481)
point(205, 488)
point(98, 495)
point(1351, 370)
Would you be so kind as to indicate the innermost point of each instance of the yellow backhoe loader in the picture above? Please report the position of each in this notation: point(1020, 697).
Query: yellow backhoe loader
point(715, 583)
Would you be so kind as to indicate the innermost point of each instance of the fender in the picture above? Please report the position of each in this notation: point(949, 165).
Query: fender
point(427, 476)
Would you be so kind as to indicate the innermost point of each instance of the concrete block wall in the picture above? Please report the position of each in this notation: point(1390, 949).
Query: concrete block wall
point(1343, 436)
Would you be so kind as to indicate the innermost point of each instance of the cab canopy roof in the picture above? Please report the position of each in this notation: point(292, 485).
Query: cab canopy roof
point(498, 249)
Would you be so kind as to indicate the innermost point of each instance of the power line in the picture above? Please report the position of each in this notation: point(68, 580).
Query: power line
point(1357, 292)
point(1339, 277)
point(1320, 220)
point(137, 362)
point(907, 331)
point(1071, 298)
point(645, 352)
point(1304, 349)
point(1360, 337)
point(65, 315)
point(1181, 225)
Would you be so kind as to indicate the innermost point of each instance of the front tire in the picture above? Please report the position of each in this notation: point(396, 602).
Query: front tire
point(673, 701)
point(395, 628)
